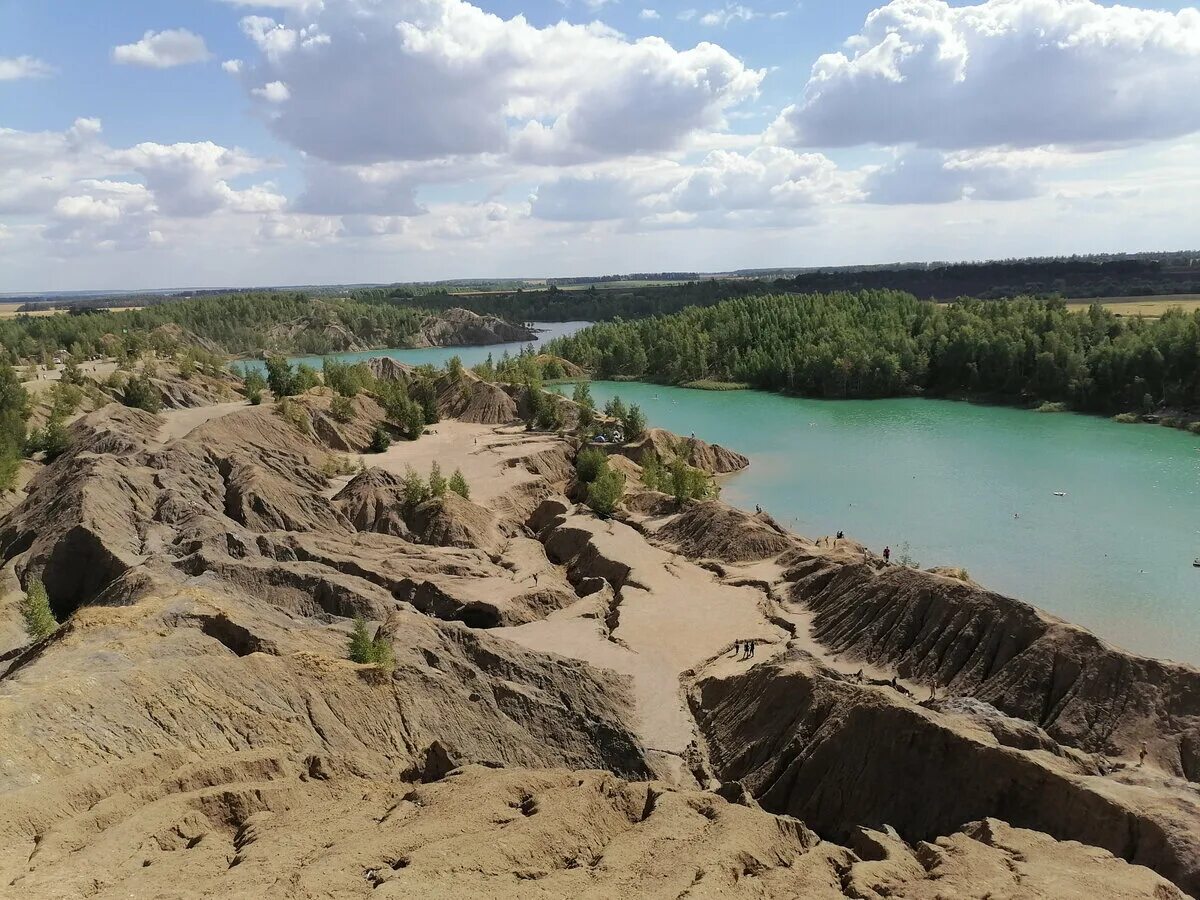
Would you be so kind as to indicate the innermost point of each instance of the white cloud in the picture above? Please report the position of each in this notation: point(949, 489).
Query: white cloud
point(273, 92)
point(13, 68)
point(768, 186)
point(649, 15)
point(1016, 73)
point(232, 66)
point(359, 190)
point(926, 176)
point(420, 79)
point(730, 12)
point(163, 50)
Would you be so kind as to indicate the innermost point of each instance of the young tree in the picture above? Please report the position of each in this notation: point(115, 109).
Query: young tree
point(605, 492)
point(458, 484)
point(615, 409)
point(280, 377)
point(437, 483)
point(381, 440)
point(590, 463)
point(414, 488)
point(253, 385)
point(455, 368)
point(654, 474)
point(634, 422)
point(582, 395)
point(141, 393)
point(305, 379)
point(341, 407)
point(36, 611)
point(361, 645)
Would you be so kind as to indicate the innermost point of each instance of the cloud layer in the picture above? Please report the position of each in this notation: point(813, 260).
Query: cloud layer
point(1016, 73)
point(163, 50)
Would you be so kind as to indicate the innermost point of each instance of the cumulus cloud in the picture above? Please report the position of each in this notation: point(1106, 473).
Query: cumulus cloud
point(273, 92)
point(1016, 73)
point(163, 50)
point(927, 176)
point(768, 186)
point(649, 15)
point(232, 66)
point(89, 195)
point(359, 190)
point(419, 79)
point(16, 67)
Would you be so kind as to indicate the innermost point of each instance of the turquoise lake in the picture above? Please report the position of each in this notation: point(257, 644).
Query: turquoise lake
point(946, 478)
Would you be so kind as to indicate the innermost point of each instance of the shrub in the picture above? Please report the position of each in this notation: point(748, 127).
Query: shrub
point(458, 484)
point(141, 393)
point(341, 408)
point(590, 464)
point(53, 440)
point(380, 439)
point(65, 398)
point(360, 642)
point(615, 409)
point(35, 610)
point(253, 385)
point(294, 414)
point(305, 379)
point(344, 378)
point(455, 368)
point(414, 488)
point(426, 397)
point(187, 367)
point(634, 422)
point(688, 483)
point(605, 492)
point(280, 377)
point(437, 483)
point(654, 474)
point(71, 374)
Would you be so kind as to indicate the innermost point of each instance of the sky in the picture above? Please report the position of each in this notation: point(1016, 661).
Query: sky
point(206, 143)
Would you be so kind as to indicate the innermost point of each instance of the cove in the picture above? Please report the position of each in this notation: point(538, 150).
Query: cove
point(1115, 554)
point(946, 477)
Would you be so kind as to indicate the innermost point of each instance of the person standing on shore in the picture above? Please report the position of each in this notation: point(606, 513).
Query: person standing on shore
point(887, 555)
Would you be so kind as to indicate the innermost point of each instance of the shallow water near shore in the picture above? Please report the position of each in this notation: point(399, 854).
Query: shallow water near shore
point(964, 485)
point(974, 486)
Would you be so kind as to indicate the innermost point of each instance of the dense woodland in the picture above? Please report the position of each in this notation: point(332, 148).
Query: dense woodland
point(234, 323)
point(887, 343)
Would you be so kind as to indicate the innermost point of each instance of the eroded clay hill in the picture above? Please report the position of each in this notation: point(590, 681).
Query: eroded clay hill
point(564, 716)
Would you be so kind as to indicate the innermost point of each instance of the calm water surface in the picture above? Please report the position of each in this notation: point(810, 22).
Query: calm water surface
point(945, 478)
point(1115, 554)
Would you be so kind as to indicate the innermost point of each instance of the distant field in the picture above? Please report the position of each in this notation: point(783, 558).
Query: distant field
point(9, 311)
point(1151, 307)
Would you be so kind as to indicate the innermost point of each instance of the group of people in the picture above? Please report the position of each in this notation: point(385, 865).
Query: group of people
point(746, 647)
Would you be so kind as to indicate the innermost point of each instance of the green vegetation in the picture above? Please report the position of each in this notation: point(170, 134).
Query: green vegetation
point(458, 484)
point(437, 482)
point(590, 463)
point(885, 344)
point(341, 408)
point(141, 393)
point(253, 385)
point(605, 492)
point(706, 384)
point(234, 323)
point(345, 378)
point(681, 481)
point(369, 651)
point(35, 610)
point(381, 439)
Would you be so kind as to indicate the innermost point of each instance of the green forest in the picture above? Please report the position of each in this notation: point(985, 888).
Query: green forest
point(887, 344)
point(234, 323)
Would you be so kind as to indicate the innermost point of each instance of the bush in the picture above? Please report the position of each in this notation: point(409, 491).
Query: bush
point(615, 409)
point(590, 464)
point(294, 414)
point(341, 408)
point(437, 483)
point(344, 378)
point(280, 377)
point(688, 483)
point(634, 422)
point(426, 397)
point(305, 379)
point(64, 399)
point(380, 439)
point(455, 368)
point(605, 492)
point(458, 484)
point(253, 385)
point(35, 610)
point(654, 474)
point(71, 374)
point(141, 393)
point(414, 488)
point(369, 651)
point(53, 440)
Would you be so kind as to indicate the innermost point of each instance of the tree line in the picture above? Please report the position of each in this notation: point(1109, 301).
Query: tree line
point(888, 344)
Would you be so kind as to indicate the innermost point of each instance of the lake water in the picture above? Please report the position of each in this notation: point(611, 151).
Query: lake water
point(439, 356)
point(1115, 554)
point(946, 478)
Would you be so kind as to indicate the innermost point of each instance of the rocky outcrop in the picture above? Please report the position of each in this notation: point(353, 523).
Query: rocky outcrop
point(236, 827)
point(469, 398)
point(711, 458)
point(462, 328)
point(374, 501)
point(716, 531)
point(962, 638)
point(809, 743)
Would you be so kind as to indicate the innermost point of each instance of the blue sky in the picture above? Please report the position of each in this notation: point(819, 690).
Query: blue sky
point(379, 140)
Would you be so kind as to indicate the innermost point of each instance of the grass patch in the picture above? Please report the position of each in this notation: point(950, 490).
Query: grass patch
point(1127, 418)
point(1049, 407)
point(705, 384)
